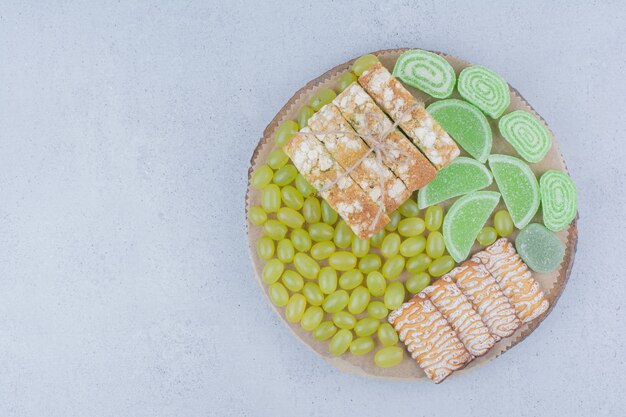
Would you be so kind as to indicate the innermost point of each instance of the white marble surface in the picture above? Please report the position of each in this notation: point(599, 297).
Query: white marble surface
point(125, 136)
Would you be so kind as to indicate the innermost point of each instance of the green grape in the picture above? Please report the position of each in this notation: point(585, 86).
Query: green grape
point(336, 301)
point(290, 217)
point(413, 246)
point(364, 63)
point(285, 175)
point(343, 235)
point(322, 250)
point(321, 232)
point(313, 294)
point(311, 210)
point(292, 197)
point(270, 198)
point(391, 245)
point(306, 265)
point(301, 240)
point(312, 318)
point(278, 294)
point(441, 266)
point(370, 262)
point(304, 187)
point(435, 246)
point(433, 218)
point(377, 310)
point(277, 159)
point(361, 346)
point(360, 248)
point(322, 98)
point(487, 236)
point(265, 248)
point(340, 342)
point(328, 280)
point(292, 280)
point(411, 227)
point(329, 216)
point(344, 320)
point(387, 334)
point(285, 132)
point(395, 219)
point(503, 223)
point(304, 114)
point(262, 177)
point(389, 356)
point(418, 263)
point(257, 215)
point(275, 229)
point(295, 308)
point(409, 208)
point(417, 282)
point(342, 261)
point(359, 299)
point(285, 251)
point(351, 279)
point(345, 80)
point(394, 295)
point(366, 326)
point(393, 267)
point(325, 330)
point(272, 271)
point(377, 240)
point(376, 283)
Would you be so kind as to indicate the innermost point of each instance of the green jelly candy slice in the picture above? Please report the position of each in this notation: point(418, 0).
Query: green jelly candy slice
point(485, 89)
point(465, 219)
point(518, 186)
point(541, 250)
point(527, 135)
point(467, 125)
point(558, 200)
point(462, 176)
point(426, 71)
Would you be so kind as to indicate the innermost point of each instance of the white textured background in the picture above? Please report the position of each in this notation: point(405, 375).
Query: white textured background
point(125, 136)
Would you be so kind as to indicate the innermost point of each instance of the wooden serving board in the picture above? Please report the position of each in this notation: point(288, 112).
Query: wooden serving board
point(552, 284)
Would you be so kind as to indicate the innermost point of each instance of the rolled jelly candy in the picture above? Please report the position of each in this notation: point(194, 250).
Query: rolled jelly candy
point(558, 200)
point(485, 89)
point(527, 135)
point(426, 71)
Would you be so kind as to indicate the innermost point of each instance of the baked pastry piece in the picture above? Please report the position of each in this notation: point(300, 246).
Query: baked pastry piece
point(348, 149)
point(429, 338)
point(457, 309)
point(417, 124)
point(346, 197)
point(482, 290)
point(406, 161)
point(515, 279)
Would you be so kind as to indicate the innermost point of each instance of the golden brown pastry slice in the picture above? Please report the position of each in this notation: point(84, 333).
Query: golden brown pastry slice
point(482, 290)
point(515, 279)
point(457, 309)
point(429, 338)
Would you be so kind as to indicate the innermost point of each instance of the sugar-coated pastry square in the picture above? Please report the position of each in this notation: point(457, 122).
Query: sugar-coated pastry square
point(348, 199)
point(417, 124)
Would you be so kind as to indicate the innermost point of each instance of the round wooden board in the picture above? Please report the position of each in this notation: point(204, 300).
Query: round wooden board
point(552, 284)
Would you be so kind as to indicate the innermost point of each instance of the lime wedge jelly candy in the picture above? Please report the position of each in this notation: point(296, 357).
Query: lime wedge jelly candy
point(462, 176)
point(558, 200)
point(467, 125)
point(464, 220)
point(541, 250)
point(518, 185)
point(530, 138)
point(426, 71)
point(485, 89)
